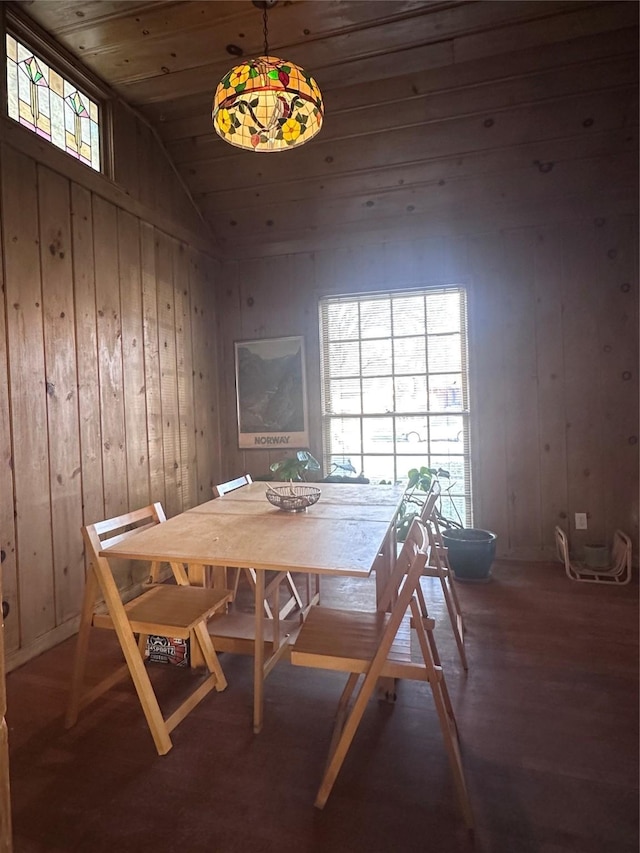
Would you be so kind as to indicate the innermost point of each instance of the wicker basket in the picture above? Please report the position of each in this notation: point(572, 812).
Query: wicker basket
point(292, 498)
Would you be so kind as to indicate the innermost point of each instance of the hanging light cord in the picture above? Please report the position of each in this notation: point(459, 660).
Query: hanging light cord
point(264, 30)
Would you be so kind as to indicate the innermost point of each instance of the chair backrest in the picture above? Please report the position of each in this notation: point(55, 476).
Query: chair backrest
point(437, 553)
point(415, 551)
point(102, 534)
point(168, 610)
point(407, 572)
point(231, 485)
point(429, 505)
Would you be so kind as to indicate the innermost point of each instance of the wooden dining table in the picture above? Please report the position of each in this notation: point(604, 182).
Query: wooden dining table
point(348, 532)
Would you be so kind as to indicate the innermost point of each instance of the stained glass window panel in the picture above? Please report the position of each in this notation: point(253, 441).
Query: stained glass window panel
point(40, 98)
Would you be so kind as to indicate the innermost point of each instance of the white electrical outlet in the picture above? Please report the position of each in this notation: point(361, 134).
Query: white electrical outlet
point(581, 521)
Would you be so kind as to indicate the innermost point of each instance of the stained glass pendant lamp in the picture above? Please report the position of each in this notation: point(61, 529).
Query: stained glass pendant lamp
point(267, 104)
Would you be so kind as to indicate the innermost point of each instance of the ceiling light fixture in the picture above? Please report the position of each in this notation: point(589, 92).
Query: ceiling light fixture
point(267, 104)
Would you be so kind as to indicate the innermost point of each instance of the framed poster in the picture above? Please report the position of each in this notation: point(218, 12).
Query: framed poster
point(271, 393)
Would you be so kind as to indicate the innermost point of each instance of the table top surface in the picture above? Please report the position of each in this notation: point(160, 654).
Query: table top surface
point(341, 534)
point(339, 494)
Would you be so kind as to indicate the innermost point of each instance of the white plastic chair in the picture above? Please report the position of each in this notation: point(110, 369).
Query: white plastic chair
point(618, 571)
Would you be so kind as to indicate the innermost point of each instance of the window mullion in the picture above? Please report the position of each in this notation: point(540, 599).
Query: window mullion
point(433, 363)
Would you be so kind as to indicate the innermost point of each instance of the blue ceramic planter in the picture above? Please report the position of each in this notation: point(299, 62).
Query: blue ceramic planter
point(470, 552)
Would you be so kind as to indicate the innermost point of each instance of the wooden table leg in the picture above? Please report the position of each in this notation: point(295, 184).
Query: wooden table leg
point(196, 577)
point(218, 577)
point(258, 660)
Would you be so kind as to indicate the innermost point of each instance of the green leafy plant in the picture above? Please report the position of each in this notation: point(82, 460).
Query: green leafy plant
point(419, 483)
point(295, 467)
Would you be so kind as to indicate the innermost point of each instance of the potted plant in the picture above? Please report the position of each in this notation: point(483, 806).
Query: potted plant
point(415, 494)
point(294, 468)
point(470, 551)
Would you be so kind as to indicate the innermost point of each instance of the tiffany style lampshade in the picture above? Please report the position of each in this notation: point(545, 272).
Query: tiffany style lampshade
point(267, 104)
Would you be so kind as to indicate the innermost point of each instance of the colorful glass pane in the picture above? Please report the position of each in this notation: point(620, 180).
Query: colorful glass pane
point(50, 105)
point(267, 104)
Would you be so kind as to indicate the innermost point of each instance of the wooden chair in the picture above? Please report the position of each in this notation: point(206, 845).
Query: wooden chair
point(617, 572)
point(378, 644)
point(295, 599)
point(179, 611)
point(438, 567)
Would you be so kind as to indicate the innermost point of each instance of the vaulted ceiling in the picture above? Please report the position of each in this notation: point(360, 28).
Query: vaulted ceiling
point(442, 115)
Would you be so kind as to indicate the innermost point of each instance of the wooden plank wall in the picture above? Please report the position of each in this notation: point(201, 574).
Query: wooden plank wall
point(105, 317)
point(553, 325)
point(143, 168)
point(5, 798)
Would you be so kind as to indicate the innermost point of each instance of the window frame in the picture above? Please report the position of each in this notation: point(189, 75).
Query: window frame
point(60, 60)
point(462, 490)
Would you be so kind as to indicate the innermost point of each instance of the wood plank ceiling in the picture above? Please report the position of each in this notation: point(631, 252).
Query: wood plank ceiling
point(439, 115)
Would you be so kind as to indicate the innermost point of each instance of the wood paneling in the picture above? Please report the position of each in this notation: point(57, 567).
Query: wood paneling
point(450, 114)
point(5, 800)
point(230, 301)
point(488, 369)
point(28, 393)
point(87, 355)
point(520, 387)
point(168, 374)
point(203, 273)
point(114, 462)
point(175, 216)
point(617, 310)
point(82, 434)
point(554, 401)
point(152, 365)
point(144, 169)
point(135, 408)
point(184, 375)
point(550, 380)
point(520, 73)
point(8, 571)
point(487, 144)
point(583, 404)
point(63, 429)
